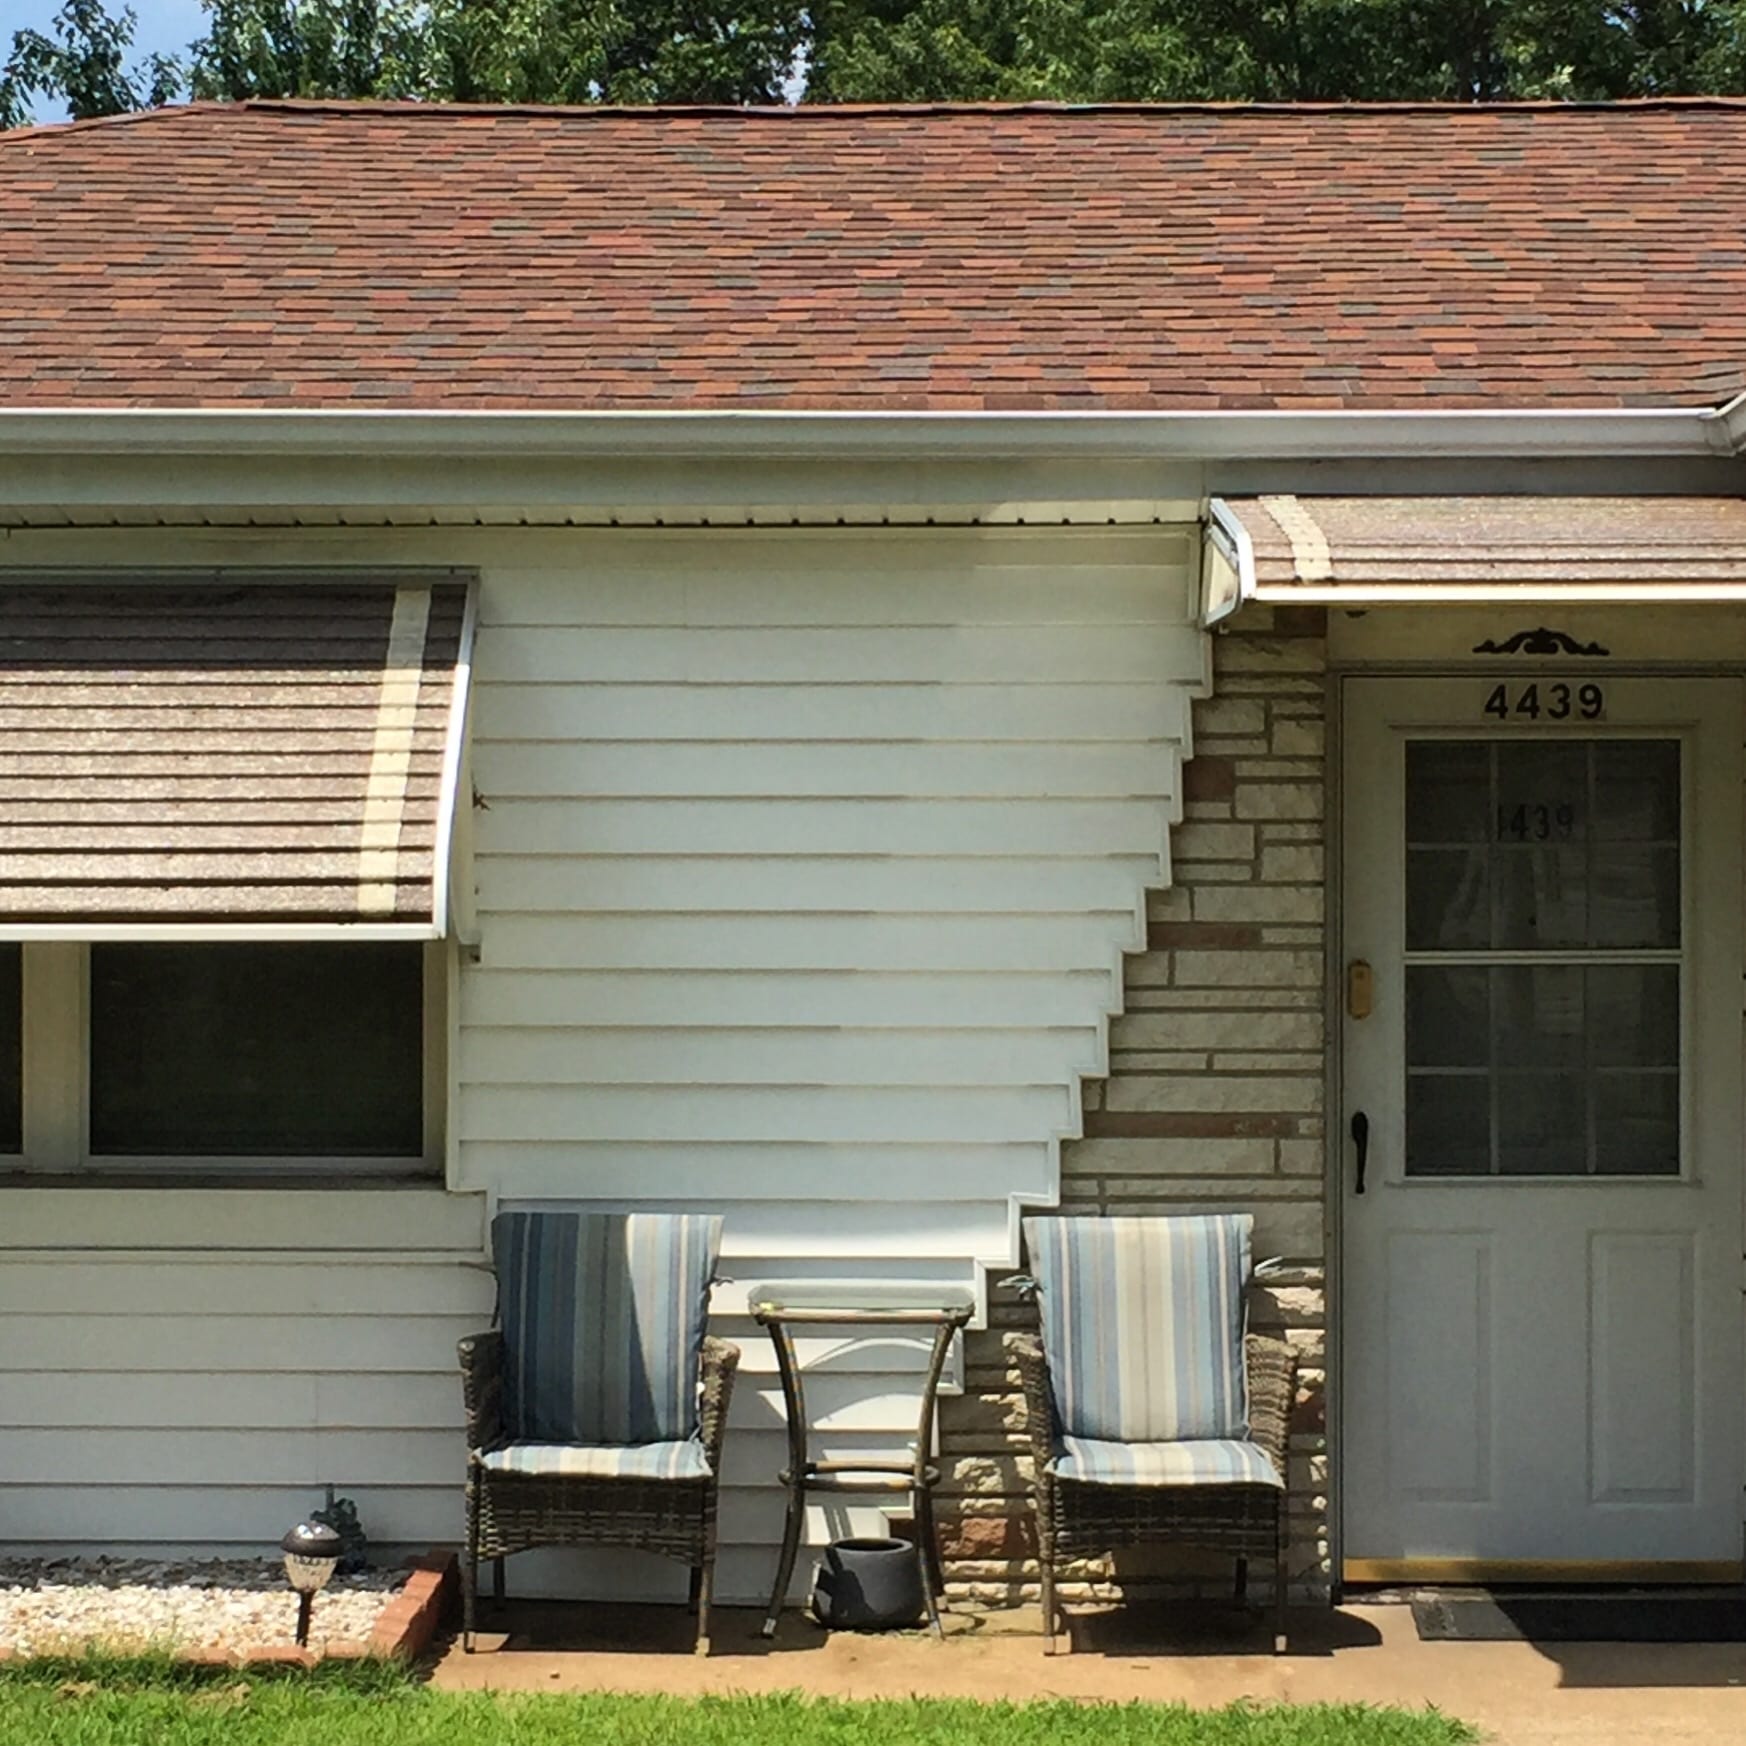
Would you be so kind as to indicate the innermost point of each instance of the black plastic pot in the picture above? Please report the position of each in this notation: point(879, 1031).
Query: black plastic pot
point(868, 1585)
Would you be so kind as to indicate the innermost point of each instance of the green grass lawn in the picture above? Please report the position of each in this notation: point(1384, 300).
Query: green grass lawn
point(120, 1703)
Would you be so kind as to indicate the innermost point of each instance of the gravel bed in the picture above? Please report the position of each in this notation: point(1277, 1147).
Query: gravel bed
point(56, 1604)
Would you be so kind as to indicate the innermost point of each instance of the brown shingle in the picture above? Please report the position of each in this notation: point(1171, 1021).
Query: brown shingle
point(1169, 257)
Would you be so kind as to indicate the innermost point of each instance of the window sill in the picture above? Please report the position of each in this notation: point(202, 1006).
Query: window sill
point(222, 1177)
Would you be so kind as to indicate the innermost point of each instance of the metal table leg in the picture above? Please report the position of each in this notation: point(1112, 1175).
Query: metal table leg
point(788, 1368)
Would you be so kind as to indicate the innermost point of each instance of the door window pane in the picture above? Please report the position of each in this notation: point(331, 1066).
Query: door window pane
point(233, 1050)
point(1539, 1016)
point(1637, 1124)
point(1448, 1016)
point(1542, 1069)
point(1542, 1125)
point(1448, 1125)
point(1577, 847)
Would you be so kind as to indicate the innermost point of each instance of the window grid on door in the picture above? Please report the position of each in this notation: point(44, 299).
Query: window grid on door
point(1544, 950)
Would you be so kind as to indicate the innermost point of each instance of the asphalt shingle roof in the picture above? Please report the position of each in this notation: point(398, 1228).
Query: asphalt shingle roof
point(980, 257)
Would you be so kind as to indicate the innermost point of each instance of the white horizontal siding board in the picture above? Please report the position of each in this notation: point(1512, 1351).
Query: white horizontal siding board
point(707, 1114)
point(190, 1401)
point(216, 1457)
point(833, 1172)
point(238, 1516)
point(626, 940)
point(771, 884)
point(704, 580)
point(1018, 1000)
point(545, 769)
point(359, 1221)
point(266, 1285)
point(832, 655)
point(526, 1055)
point(240, 1345)
point(636, 711)
point(861, 597)
point(1034, 825)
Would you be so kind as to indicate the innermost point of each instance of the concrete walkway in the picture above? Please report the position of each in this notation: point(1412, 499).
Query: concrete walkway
point(1519, 1694)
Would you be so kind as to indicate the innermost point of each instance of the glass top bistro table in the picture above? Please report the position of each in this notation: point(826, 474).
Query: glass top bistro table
point(784, 1305)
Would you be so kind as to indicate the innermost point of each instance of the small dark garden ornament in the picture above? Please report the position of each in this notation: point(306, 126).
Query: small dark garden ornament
point(341, 1515)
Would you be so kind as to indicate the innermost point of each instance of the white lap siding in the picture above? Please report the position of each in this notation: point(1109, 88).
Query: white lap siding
point(196, 1365)
point(806, 864)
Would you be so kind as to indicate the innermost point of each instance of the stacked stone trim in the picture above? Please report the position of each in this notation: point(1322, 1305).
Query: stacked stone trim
point(1215, 1095)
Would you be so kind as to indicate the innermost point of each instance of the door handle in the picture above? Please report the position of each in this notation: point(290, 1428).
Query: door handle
point(1361, 1141)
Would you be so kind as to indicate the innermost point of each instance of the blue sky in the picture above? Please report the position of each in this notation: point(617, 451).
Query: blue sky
point(169, 25)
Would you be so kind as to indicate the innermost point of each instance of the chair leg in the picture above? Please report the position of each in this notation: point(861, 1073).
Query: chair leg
point(1242, 1583)
point(470, 1580)
point(1281, 1580)
point(1052, 1636)
point(499, 1582)
point(696, 1589)
point(703, 1585)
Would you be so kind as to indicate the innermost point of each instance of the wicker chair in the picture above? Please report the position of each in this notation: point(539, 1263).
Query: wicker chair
point(596, 1409)
point(1142, 1440)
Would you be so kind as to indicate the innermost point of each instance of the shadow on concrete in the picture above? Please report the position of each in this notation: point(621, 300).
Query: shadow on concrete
point(558, 1627)
point(1211, 1627)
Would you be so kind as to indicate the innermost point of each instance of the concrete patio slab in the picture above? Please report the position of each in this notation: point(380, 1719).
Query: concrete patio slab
point(1519, 1694)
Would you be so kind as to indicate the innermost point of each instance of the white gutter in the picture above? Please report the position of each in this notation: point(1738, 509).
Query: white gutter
point(1286, 435)
point(1730, 425)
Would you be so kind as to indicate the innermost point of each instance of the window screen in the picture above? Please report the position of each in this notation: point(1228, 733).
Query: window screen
point(11, 1050)
point(244, 1050)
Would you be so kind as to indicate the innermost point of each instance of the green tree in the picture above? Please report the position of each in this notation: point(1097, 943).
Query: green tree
point(618, 51)
point(312, 48)
point(1275, 50)
point(83, 65)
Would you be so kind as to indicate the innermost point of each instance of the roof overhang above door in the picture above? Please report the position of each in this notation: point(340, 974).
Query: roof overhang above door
point(1369, 551)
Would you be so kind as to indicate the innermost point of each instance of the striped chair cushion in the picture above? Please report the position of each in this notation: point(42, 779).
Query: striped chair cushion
point(1143, 1325)
point(681, 1460)
point(1204, 1462)
point(602, 1317)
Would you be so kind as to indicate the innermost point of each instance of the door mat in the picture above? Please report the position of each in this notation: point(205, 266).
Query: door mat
point(1586, 1618)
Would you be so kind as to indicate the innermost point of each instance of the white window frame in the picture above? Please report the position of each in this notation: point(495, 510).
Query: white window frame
point(56, 982)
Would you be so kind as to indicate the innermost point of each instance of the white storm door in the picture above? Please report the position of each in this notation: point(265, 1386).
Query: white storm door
point(1541, 1282)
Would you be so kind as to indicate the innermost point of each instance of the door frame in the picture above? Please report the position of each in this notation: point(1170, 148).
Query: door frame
point(1337, 1154)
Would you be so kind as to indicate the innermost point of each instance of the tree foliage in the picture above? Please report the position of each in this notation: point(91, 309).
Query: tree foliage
point(83, 66)
point(770, 51)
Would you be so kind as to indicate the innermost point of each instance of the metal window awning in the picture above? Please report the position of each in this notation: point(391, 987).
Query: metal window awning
point(231, 757)
point(1356, 551)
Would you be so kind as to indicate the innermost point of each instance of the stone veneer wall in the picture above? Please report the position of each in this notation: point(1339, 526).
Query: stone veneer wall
point(1215, 1094)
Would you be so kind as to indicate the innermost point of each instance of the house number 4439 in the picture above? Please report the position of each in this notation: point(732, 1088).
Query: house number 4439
point(1547, 701)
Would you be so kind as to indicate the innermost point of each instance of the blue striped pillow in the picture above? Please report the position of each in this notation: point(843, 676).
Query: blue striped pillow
point(1143, 1325)
point(602, 1317)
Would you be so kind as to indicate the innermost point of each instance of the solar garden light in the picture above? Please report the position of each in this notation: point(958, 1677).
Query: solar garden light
point(312, 1553)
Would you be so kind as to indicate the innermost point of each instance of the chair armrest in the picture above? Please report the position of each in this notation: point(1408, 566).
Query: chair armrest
point(718, 1364)
point(481, 1358)
point(1026, 1350)
point(1272, 1368)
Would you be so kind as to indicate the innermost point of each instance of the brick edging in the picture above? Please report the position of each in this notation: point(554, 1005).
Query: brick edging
point(416, 1613)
